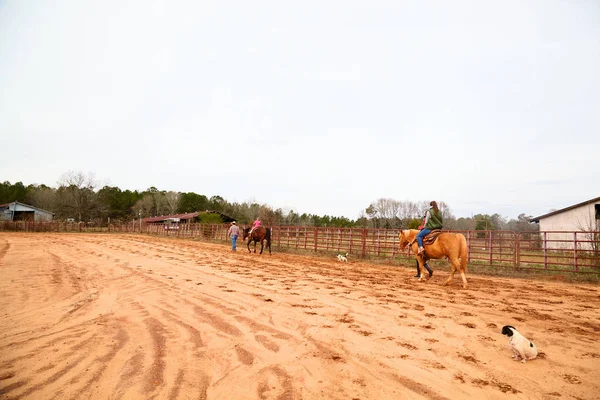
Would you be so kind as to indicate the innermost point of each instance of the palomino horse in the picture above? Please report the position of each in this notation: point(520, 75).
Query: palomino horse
point(451, 245)
point(259, 234)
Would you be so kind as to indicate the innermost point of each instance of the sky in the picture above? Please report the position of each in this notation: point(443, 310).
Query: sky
point(317, 106)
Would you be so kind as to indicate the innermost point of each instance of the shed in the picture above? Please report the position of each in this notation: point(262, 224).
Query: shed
point(580, 217)
point(16, 211)
point(185, 218)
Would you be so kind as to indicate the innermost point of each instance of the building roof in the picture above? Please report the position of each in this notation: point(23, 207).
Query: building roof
point(186, 216)
point(7, 205)
point(163, 217)
point(537, 219)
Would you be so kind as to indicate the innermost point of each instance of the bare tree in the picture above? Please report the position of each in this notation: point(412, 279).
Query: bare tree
point(160, 203)
point(145, 205)
point(386, 208)
point(76, 193)
point(409, 210)
point(172, 201)
point(590, 227)
point(446, 211)
point(386, 212)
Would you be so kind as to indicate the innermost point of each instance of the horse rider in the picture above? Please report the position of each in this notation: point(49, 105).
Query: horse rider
point(427, 267)
point(433, 220)
point(255, 225)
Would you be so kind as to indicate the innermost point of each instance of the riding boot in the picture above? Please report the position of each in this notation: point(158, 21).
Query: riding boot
point(428, 268)
point(418, 275)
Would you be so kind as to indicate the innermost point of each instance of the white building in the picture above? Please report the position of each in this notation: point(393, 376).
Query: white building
point(571, 223)
point(16, 211)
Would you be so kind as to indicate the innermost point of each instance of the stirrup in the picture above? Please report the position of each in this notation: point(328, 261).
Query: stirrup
point(421, 250)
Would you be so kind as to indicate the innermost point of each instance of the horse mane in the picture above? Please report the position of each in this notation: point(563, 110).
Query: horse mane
point(411, 234)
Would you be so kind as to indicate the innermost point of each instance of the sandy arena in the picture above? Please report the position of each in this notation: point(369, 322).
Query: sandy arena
point(106, 316)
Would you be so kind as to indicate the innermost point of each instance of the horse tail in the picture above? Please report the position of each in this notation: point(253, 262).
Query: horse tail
point(463, 252)
point(268, 237)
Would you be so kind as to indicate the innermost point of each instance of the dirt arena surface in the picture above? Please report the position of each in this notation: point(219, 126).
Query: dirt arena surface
point(106, 316)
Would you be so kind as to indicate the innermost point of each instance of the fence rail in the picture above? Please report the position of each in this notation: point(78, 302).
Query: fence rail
point(577, 252)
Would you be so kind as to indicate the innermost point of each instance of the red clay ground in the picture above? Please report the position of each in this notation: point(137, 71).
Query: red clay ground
point(114, 316)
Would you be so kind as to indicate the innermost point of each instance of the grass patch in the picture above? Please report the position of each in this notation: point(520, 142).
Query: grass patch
point(508, 270)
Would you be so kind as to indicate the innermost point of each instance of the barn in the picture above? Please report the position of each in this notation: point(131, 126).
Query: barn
point(578, 218)
point(16, 211)
point(185, 218)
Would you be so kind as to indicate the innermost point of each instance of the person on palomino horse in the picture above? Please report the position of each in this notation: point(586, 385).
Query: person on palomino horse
point(427, 267)
point(433, 220)
point(255, 225)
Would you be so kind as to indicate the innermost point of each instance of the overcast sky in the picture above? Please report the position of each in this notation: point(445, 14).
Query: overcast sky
point(316, 106)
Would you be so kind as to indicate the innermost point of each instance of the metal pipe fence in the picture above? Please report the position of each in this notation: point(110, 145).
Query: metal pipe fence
point(577, 252)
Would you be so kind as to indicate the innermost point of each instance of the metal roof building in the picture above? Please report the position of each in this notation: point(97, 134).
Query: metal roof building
point(581, 216)
point(564, 224)
point(16, 211)
point(188, 217)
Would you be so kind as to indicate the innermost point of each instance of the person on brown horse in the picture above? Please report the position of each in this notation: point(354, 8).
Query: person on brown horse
point(255, 225)
point(433, 220)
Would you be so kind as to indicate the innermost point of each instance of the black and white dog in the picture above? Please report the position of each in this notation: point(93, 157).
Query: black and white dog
point(343, 257)
point(521, 347)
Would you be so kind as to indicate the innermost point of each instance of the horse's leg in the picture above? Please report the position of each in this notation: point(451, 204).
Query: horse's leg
point(421, 269)
point(249, 241)
point(464, 278)
point(255, 246)
point(455, 266)
point(261, 246)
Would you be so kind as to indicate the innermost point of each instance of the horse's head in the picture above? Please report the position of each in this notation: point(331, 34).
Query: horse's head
point(245, 233)
point(404, 239)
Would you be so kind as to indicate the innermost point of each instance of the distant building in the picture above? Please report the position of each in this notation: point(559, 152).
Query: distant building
point(185, 218)
point(16, 211)
point(581, 217)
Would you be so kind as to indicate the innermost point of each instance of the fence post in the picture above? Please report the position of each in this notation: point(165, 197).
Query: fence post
point(364, 242)
point(490, 244)
point(316, 235)
point(518, 250)
point(350, 246)
point(575, 251)
point(468, 246)
point(279, 237)
point(545, 251)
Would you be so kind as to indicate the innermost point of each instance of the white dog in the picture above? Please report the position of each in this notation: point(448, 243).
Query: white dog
point(343, 257)
point(521, 347)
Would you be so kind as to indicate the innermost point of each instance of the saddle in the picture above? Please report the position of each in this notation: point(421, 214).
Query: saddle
point(431, 236)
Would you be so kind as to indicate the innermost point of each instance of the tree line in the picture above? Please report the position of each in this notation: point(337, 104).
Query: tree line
point(78, 197)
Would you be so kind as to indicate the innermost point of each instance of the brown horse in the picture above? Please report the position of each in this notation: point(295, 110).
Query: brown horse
point(260, 234)
point(451, 245)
